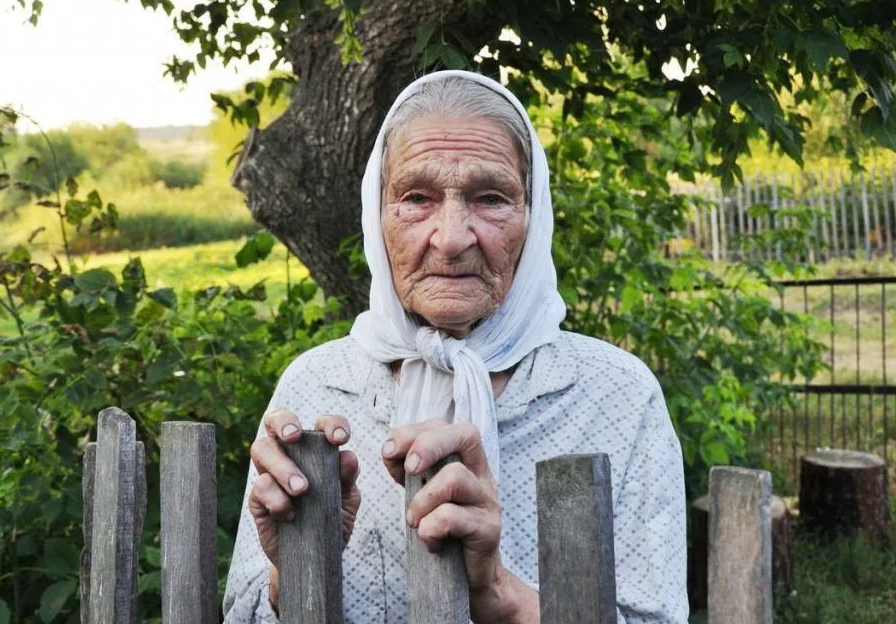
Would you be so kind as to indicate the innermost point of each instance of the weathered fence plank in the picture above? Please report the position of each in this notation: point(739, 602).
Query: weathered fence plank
point(88, 479)
point(740, 546)
point(119, 503)
point(438, 591)
point(311, 545)
point(189, 523)
point(576, 565)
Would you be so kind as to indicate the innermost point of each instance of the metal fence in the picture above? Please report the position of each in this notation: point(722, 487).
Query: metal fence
point(853, 214)
point(852, 405)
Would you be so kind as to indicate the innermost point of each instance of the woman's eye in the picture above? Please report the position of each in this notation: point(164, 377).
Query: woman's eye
point(491, 199)
point(417, 199)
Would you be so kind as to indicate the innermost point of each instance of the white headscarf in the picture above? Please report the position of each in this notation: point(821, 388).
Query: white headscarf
point(443, 376)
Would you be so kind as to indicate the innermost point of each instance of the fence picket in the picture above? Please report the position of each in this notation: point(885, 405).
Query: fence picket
point(119, 506)
point(740, 546)
point(878, 225)
point(311, 545)
point(576, 565)
point(438, 591)
point(88, 481)
point(189, 523)
point(885, 206)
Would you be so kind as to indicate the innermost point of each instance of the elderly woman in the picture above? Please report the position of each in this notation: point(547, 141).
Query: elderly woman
point(461, 352)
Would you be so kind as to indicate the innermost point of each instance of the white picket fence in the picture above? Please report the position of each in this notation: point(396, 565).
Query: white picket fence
point(854, 215)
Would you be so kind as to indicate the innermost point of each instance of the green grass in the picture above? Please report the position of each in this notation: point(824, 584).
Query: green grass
point(150, 216)
point(847, 581)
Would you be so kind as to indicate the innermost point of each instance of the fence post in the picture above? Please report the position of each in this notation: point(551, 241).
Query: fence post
point(117, 510)
point(740, 546)
point(189, 523)
point(438, 590)
point(311, 545)
point(576, 565)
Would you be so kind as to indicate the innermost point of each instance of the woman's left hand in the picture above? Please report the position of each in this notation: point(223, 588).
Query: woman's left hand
point(460, 501)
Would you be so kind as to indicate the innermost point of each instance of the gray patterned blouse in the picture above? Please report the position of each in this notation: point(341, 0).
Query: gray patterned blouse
point(576, 395)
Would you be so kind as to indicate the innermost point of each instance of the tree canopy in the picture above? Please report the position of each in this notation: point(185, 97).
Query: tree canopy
point(750, 65)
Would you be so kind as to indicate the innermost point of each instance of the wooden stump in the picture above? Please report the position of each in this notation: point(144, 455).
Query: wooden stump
point(782, 563)
point(842, 492)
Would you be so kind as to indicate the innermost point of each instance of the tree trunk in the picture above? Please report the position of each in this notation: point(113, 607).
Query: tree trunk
point(844, 491)
point(782, 564)
point(302, 174)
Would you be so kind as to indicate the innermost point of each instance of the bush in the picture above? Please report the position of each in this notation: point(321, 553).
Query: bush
point(38, 166)
point(101, 339)
point(723, 352)
point(177, 174)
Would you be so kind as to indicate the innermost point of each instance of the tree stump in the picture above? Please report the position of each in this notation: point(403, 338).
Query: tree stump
point(842, 492)
point(782, 568)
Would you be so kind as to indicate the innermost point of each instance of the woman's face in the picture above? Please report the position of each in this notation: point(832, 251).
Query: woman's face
point(454, 218)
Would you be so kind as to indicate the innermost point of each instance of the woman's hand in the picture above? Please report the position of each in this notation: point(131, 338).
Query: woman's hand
point(279, 480)
point(460, 501)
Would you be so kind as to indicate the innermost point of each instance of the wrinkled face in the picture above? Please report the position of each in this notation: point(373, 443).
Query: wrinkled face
point(454, 218)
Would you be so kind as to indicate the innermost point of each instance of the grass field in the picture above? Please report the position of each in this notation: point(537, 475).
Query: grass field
point(190, 268)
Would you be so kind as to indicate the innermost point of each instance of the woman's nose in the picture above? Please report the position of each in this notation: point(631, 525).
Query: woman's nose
point(454, 233)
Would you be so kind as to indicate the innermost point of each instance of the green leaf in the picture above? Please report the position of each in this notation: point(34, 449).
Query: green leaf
point(99, 318)
point(423, 37)
point(133, 277)
point(164, 296)
point(54, 598)
point(881, 130)
point(61, 558)
point(255, 250)
point(631, 296)
point(95, 281)
point(821, 46)
point(714, 453)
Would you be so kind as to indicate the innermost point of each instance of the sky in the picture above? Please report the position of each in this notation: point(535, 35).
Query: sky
point(101, 62)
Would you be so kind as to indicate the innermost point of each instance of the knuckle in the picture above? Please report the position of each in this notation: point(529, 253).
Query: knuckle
point(469, 432)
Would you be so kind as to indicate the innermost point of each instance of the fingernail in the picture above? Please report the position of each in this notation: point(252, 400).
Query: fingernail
point(289, 430)
point(410, 517)
point(340, 434)
point(296, 484)
point(411, 463)
point(388, 448)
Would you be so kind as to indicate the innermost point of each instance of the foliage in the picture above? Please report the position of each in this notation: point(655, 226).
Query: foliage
point(753, 66)
point(260, 103)
point(722, 350)
point(38, 165)
point(177, 174)
point(105, 146)
point(100, 339)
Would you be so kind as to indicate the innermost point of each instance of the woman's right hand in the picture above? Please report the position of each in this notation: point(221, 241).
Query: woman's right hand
point(279, 480)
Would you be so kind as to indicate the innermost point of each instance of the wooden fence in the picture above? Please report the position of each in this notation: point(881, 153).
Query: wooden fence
point(575, 538)
point(852, 215)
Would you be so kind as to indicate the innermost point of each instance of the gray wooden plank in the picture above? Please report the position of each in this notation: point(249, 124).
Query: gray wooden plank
point(88, 479)
point(139, 518)
point(112, 548)
point(576, 565)
point(740, 546)
point(438, 591)
point(311, 545)
point(189, 486)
